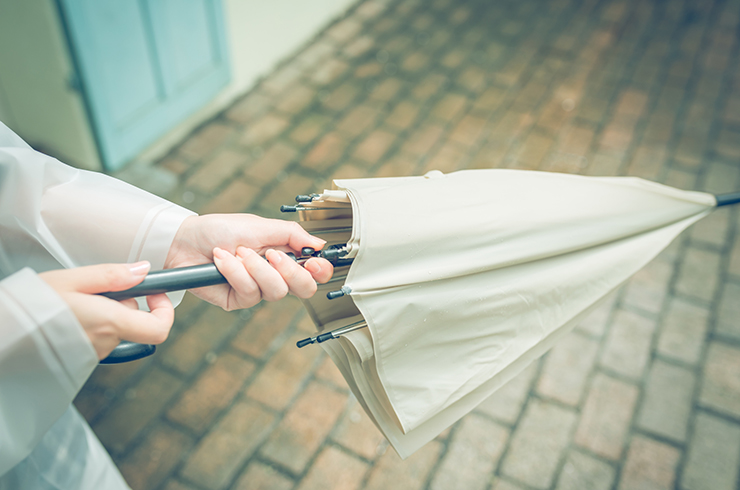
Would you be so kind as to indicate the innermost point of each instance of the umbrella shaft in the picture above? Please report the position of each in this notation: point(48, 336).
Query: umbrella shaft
point(727, 199)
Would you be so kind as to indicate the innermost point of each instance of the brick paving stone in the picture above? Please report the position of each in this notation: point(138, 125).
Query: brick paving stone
point(359, 119)
point(283, 374)
point(683, 331)
point(713, 454)
point(341, 97)
point(712, 229)
point(248, 108)
point(359, 46)
point(390, 471)
point(667, 401)
point(177, 485)
point(450, 107)
point(584, 472)
point(728, 144)
point(403, 114)
point(721, 178)
point(237, 197)
point(150, 463)
point(423, 139)
point(500, 484)
point(627, 348)
point(309, 128)
point(374, 146)
point(217, 171)
point(259, 476)
point(734, 267)
point(334, 470)
point(472, 455)
point(650, 465)
point(263, 130)
point(400, 165)
point(211, 392)
point(566, 369)
point(204, 336)
point(256, 338)
point(329, 372)
point(538, 443)
point(721, 382)
point(468, 130)
point(205, 140)
point(506, 403)
point(304, 427)
point(698, 274)
point(595, 322)
point(447, 159)
point(728, 318)
point(648, 288)
point(224, 449)
point(326, 152)
point(283, 78)
point(386, 89)
point(271, 163)
point(142, 403)
point(358, 433)
point(297, 98)
point(647, 162)
point(606, 416)
point(429, 86)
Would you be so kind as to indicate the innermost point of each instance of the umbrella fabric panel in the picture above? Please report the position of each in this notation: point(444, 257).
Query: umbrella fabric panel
point(481, 302)
point(461, 223)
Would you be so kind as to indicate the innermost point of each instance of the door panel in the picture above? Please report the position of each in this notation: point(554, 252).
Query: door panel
point(145, 65)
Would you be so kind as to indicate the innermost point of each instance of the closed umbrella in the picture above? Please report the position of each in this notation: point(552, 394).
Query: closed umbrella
point(464, 279)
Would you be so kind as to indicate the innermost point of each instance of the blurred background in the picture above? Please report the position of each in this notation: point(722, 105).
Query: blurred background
point(237, 106)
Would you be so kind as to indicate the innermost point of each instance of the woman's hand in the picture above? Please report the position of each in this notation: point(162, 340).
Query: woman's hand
point(105, 321)
point(236, 243)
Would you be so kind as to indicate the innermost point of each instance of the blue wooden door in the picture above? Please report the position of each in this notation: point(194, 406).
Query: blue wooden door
point(145, 65)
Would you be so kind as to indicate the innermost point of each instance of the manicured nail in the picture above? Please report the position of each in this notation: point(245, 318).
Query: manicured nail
point(275, 257)
point(313, 266)
point(139, 268)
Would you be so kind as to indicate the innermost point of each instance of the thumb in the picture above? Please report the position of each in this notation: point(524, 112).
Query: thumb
point(101, 278)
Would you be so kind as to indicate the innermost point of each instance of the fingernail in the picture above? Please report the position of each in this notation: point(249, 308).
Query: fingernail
point(319, 240)
point(219, 254)
point(139, 268)
point(276, 257)
point(313, 266)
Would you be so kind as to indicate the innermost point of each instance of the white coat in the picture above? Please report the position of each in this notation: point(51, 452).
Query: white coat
point(54, 216)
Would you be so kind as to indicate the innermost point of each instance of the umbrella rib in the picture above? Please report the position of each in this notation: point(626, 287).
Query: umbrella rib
point(333, 334)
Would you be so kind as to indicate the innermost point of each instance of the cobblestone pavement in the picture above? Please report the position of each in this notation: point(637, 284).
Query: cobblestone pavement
point(644, 394)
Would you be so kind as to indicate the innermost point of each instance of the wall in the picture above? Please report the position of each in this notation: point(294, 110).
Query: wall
point(36, 98)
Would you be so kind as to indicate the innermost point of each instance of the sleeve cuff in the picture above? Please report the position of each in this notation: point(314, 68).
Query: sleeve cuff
point(156, 234)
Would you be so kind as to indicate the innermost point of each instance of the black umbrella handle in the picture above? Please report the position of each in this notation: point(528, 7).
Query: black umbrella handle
point(158, 282)
point(727, 199)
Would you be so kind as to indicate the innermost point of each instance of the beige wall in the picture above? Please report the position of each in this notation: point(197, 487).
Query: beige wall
point(36, 100)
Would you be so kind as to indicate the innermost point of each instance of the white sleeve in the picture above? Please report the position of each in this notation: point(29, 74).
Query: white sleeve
point(53, 215)
point(45, 358)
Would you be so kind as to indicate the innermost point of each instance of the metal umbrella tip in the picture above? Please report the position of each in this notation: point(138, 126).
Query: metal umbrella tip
point(288, 209)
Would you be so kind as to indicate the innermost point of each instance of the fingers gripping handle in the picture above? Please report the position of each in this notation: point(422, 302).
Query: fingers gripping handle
point(164, 281)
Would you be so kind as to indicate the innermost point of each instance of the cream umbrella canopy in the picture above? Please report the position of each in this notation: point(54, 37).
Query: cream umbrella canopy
point(464, 279)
